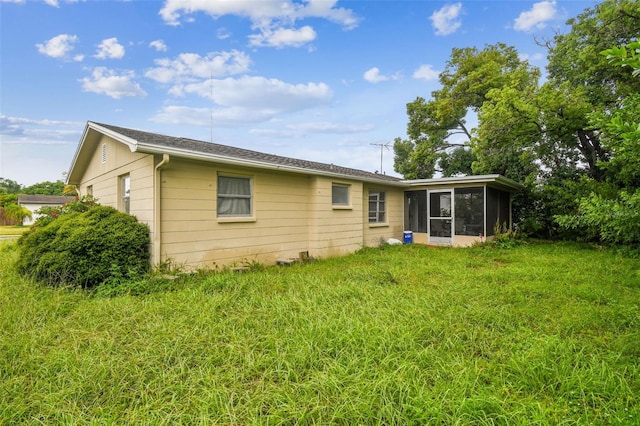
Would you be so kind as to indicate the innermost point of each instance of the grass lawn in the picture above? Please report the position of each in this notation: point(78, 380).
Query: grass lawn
point(13, 230)
point(544, 334)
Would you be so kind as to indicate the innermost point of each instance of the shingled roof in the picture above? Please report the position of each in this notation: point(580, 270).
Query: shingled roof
point(156, 143)
point(54, 200)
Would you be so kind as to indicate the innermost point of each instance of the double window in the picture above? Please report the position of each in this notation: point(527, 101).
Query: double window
point(234, 196)
point(377, 208)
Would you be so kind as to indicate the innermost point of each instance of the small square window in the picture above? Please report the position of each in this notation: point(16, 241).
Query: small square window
point(340, 195)
point(234, 196)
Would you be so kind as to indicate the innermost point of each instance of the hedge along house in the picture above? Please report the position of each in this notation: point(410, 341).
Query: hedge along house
point(208, 204)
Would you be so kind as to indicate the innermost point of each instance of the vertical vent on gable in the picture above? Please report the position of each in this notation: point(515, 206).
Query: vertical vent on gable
point(104, 153)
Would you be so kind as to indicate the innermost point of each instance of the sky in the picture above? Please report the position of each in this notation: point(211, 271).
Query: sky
point(320, 80)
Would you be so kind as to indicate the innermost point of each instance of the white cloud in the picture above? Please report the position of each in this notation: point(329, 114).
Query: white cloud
point(159, 45)
point(274, 21)
point(222, 34)
point(259, 93)
point(445, 20)
point(221, 117)
point(54, 3)
point(373, 76)
point(537, 17)
point(110, 49)
point(60, 47)
point(282, 37)
point(299, 130)
point(42, 131)
point(106, 82)
point(191, 66)
point(426, 72)
point(260, 12)
point(244, 100)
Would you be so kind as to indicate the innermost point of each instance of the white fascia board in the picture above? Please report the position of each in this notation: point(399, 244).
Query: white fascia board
point(479, 179)
point(132, 144)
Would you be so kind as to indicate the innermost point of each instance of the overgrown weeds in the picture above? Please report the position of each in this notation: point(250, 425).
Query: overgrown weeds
point(538, 334)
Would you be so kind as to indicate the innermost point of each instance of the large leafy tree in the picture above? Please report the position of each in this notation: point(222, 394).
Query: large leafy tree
point(566, 138)
point(8, 186)
point(577, 67)
point(45, 188)
point(439, 135)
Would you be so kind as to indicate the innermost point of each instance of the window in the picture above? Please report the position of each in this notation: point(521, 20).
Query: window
point(234, 196)
point(377, 211)
point(340, 195)
point(90, 190)
point(125, 193)
point(104, 153)
point(469, 207)
point(416, 211)
point(497, 210)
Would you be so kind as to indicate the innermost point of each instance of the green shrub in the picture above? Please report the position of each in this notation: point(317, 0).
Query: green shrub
point(608, 220)
point(78, 204)
point(85, 248)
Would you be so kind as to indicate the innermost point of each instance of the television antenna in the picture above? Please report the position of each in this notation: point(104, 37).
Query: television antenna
point(382, 147)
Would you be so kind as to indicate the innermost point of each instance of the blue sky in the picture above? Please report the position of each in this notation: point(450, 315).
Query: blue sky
point(320, 80)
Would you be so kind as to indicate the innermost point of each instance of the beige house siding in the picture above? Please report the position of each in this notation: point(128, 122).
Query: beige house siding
point(334, 230)
point(292, 213)
point(103, 177)
point(193, 235)
point(375, 233)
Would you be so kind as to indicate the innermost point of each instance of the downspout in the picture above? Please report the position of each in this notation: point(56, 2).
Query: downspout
point(157, 239)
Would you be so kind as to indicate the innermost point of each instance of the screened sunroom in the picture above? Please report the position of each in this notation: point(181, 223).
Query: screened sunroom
point(458, 211)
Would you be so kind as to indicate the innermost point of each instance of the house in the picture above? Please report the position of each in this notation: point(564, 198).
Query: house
point(208, 204)
point(33, 203)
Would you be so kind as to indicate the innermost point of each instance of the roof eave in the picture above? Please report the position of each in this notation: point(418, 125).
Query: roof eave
point(496, 179)
point(72, 179)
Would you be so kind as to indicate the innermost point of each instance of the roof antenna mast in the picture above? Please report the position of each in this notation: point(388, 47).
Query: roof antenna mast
point(211, 124)
point(382, 147)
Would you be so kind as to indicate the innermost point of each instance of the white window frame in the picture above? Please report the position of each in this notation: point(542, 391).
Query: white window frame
point(380, 200)
point(340, 204)
point(124, 191)
point(220, 196)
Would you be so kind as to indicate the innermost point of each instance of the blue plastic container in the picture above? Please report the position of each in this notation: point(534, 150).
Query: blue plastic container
point(407, 237)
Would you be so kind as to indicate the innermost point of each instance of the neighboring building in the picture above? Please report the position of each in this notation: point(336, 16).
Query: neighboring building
point(208, 204)
point(33, 203)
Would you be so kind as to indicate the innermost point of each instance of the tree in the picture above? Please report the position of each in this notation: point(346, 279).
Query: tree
point(45, 188)
point(575, 58)
point(8, 186)
point(576, 65)
point(616, 219)
point(438, 128)
point(16, 213)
